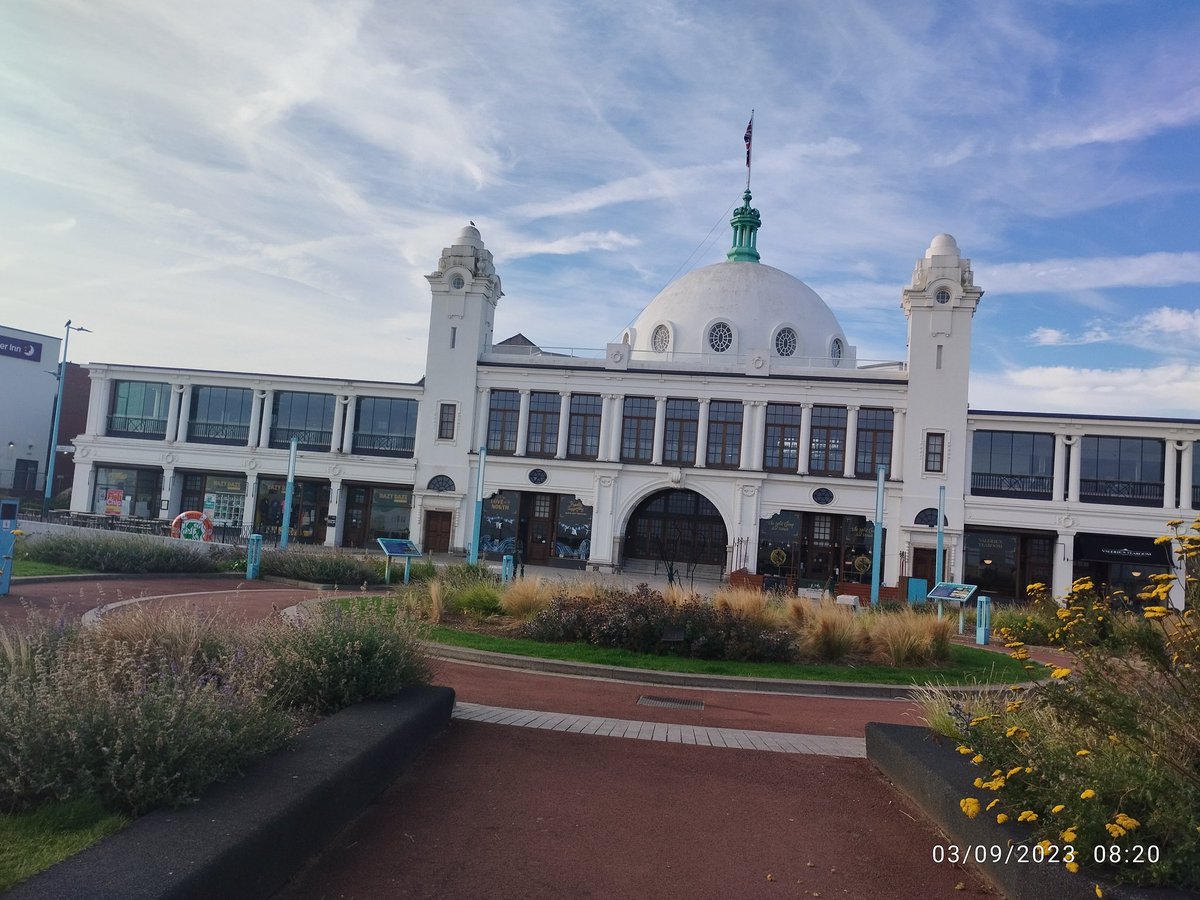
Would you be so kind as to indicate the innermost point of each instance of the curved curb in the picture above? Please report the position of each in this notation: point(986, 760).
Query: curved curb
point(247, 837)
point(689, 679)
point(927, 769)
point(119, 576)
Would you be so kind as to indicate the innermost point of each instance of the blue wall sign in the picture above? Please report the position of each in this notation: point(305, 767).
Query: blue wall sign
point(20, 348)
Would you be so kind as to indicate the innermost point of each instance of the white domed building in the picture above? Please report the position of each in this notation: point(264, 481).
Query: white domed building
point(730, 428)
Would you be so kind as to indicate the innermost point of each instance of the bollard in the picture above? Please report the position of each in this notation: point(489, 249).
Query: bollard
point(7, 542)
point(253, 557)
point(983, 620)
point(506, 569)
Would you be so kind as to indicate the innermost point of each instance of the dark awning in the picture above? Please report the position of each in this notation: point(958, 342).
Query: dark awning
point(1121, 549)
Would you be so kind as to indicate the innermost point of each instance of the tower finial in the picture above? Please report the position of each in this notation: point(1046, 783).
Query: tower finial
point(745, 222)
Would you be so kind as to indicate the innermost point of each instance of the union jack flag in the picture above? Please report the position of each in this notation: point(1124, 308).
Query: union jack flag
point(749, 136)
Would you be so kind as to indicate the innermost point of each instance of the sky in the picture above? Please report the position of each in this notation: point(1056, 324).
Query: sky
point(263, 186)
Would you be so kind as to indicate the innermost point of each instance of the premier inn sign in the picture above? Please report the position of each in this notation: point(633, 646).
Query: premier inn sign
point(20, 348)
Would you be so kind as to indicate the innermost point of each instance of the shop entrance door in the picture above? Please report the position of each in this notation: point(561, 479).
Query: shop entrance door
point(540, 534)
point(924, 562)
point(437, 531)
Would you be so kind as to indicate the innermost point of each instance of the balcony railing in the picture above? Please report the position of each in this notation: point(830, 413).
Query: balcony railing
point(306, 439)
point(1121, 493)
point(1030, 487)
point(218, 433)
point(383, 444)
point(137, 427)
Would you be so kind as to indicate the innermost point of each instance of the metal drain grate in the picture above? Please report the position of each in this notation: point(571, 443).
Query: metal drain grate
point(671, 702)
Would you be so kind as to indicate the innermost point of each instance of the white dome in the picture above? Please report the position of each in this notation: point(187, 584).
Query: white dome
point(766, 311)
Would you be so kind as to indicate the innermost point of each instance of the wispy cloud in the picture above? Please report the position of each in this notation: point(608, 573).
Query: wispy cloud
point(1067, 275)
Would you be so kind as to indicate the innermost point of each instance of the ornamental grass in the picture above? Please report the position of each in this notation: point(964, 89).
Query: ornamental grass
point(747, 603)
point(833, 634)
point(525, 597)
point(1104, 756)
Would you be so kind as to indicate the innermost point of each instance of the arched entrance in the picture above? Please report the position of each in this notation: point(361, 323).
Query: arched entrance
point(677, 526)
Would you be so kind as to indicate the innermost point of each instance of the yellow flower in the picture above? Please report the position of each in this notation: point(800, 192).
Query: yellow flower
point(1174, 523)
point(1083, 752)
point(1154, 612)
point(1060, 672)
point(1027, 816)
point(969, 806)
point(975, 721)
point(1127, 822)
point(1072, 867)
point(1068, 836)
point(964, 750)
point(1058, 808)
point(978, 782)
point(1020, 653)
point(1001, 818)
point(1045, 845)
point(1099, 893)
point(17, 532)
point(1012, 645)
point(977, 758)
point(1013, 706)
point(1087, 795)
point(1013, 771)
point(1115, 830)
point(993, 803)
point(1164, 539)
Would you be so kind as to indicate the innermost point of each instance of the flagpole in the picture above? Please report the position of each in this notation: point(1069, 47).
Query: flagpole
point(749, 139)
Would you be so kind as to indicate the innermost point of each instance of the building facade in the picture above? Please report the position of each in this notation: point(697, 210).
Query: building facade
point(28, 365)
point(731, 426)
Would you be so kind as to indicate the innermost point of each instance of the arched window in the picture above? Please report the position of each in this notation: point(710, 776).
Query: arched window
point(720, 337)
point(785, 341)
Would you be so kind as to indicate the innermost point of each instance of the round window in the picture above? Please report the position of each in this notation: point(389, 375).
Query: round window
point(661, 339)
point(824, 496)
point(457, 282)
point(720, 337)
point(943, 296)
point(836, 351)
point(537, 476)
point(785, 342)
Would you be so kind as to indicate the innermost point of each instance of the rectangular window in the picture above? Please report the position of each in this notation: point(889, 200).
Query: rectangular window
point(637, 430)
point(385, 426)
point(1012, 464)
point(220, 415)
point(139, 409)
point(447, 414)
point(679, 442)
point(504, 411)
point(306, 417)
point(935, 451)
point(782, 443)
point(827, 451)
point(543, 424)
point(724, 434)
point(1121, 470)
point(583, 432)
point(873, 447)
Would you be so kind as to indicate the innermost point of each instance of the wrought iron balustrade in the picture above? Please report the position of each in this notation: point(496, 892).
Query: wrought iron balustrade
point(1121, 493)
point(1031, 487)
point(137, 427)
point(383, 444)
point(218, 433)
point(306, 439)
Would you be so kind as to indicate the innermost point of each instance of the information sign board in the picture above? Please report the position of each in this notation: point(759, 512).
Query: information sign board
point(398, 547)
point(947, 590)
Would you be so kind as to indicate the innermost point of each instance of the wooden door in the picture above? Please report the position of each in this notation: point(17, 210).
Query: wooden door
point(541, 530)
point(924, 560)
point(437, 531)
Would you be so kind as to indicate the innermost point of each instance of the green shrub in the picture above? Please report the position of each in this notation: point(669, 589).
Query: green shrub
point(342, 656)
point(322, 568)
point(463, 575)
point(422, 570)
point(479, 599)
point(131, 554)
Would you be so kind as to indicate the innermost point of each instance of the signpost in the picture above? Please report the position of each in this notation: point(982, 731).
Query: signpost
point(955, 593)
point(398, 547)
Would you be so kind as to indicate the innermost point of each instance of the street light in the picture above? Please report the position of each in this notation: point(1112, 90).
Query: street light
point(62, 378)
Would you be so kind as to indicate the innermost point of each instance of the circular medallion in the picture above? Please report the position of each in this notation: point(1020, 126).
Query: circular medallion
point(537, 476)
point(823, 496)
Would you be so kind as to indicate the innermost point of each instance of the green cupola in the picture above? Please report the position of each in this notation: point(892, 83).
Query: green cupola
point(745, 222)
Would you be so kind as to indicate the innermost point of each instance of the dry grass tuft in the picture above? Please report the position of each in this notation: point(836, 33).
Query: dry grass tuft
point(437, 600)
point(833, 633)
point(899, 639)
point(799, 613)
point(745, 603)
point(679, 596)
point(526, 597)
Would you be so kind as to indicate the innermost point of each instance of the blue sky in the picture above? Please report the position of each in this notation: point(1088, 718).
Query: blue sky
point(262, 186)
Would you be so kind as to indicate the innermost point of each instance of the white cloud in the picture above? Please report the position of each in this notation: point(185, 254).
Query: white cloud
point(1165, 390)
point(1069, 275)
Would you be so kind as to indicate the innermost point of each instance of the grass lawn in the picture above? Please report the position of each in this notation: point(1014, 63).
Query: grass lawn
point(35, 840)
point(26, 567)
point(966, 665)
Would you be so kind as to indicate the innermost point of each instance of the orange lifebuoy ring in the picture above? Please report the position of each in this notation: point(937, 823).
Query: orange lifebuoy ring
point(192, 525)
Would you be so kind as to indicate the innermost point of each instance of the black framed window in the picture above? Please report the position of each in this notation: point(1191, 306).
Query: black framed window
point(543, 424)
point(504, 412)
point(139, 409)
point(679, 437)
point(583, 428)
point(447, 415)
point(782, 443)
point(307, 417)
point(385, 426)
point(1122, 470)
point(1012, 464)
point(220, 415)
point(827, 450)
point(935, 451)
point(724, 434)
point(873, 446)
point(637, 430)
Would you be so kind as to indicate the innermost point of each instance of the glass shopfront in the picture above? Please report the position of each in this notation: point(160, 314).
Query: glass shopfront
point(127, 492)
point(310, 510)
point(376, 511)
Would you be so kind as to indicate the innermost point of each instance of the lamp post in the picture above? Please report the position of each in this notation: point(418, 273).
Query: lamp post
point(62, 378)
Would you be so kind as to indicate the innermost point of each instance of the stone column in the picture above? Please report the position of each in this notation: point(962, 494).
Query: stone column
point(898, 416)
point(482, 418)
point(348, 426)
point(333, 535)
point(523, 424)
point(339, 420)
point(851, 441)
point(1064, 564)
point(1074, 469)
point(249, 506)
point(99, 400)
point(1058, 489)
point(564, 424)
point(1170, 473)
point(660, 430)
point(168, 485)
point(804, 451)
point(268, 410)
point(702, 434)
point(256, 417)
point(746, 450)
point(173, 412)
point(1186, 485)
point(185, 413)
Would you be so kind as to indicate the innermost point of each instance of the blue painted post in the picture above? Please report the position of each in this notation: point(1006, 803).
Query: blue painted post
point(473, 556)
point(938, 574)
point(7, 541)
point(253, 557)
point(288, 494)
point(407, 560)
point(506, 569)
point(983, 620)
point(877, 543)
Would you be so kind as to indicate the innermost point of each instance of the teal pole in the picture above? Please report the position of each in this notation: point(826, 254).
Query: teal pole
point(938, 575)
point(473, 557)
point(62, 377)
point(877, 540)
point(288, 494)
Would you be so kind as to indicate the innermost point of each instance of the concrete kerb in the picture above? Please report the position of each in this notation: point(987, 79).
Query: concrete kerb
point(247, 837)
point(928, 769)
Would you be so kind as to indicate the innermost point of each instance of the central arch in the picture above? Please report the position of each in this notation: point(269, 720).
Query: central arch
point(676, 525)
